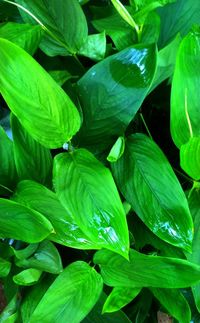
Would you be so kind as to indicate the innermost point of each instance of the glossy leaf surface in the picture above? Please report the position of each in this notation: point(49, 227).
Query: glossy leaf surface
point(50, 117)
point(185, 95)
point(174, 302)
point(24, 35)
point(148, 183)
point(79, 288)
point(146, 271)
point(16, 221)
point(112, 91)
point(33, 161)
point(27, 277)
point(190, 157)
point(88, 192)
point(4, 267)
point(46, 202)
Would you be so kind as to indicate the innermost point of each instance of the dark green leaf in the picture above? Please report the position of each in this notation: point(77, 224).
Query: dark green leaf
point(60, 76)
point(8, 175)
point(64, 19)
point(189, 157)
point(26, 36)
point(146, 271)
point(117, 150)
point(149, 184)
point(96, 206)
point(46, 202)
point(94, 47)
point(4, 267)
point(79, 288)
point(119, 297)
point(112, 91)
point(151, 29)
point(27, 277)
point(22, 223)
point(174, 302)
point(50, 116)
point(46, 258)
point(185, 95)
point(33, 161)
point(9, 311)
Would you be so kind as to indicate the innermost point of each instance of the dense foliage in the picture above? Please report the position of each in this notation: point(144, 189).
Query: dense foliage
point(99, 161)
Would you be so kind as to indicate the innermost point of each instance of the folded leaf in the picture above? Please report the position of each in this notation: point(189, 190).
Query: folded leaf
point(79, 288)
point(87, 190)
point(189, 157)
point(33, 161)
point(148, 183)
point(146, 271)
point(27, 277)
point(22, 223)
point(26, 36)
point(117, 150)
point(41, 106)
point(112, 91)
point(174, 302)
point(4, 267)
point(44, 201)
point(185, 95)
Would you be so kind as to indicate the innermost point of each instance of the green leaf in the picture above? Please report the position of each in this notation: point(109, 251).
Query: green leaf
point(79, 288)
point(194, 204)
point(64, 19)
point(46, 258)
point(112, 91)
point(60, 76)
point(94, 47)
point(96, 206)
point(26, 252)
point(185, 95)
point(9, 311)
point(44, 201)
point(117, 150)
point(174, 302)
point(146, 271)
point(50, 116)
point(8, 175)
point(4, 267)
point(189, 157)
point(125, 14)
point(119, 297)
point(27, 277)
point(151, 29)
point(148, 183)
point(33, 161)
point(24, 35)
point(22, 223)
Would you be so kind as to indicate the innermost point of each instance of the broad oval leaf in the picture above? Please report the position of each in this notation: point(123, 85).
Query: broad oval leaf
point(5, 266)
point(33, 161)
point(39, 103)
point(79, 288)
point(148, 183)
point(27, 277)
point(185, 95)
point(64, 19)
point(44, 201)
point(112, 91)
point(146, 271)
point(174, 302)
point(190, 157)
point(87, 190)
point(24, 35)
point(22, 223)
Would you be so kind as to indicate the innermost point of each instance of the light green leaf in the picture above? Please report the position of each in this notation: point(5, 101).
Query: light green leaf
point(117, 150)
point(119, 297)
point(112, 91)
point(148, 183)
point(24, 35)
point(4, 267)
point(79, 288)
point(146, 271)
point(96, 206)
point(26, 252)
point(46, 258)
point(33, 161)
point(8, 174)
point(185, 95)
point(174, 302)
point(64, 19)
point(125, 14)
point(27, 277)
point(39, 103)
point(190, 157)
point(46, 202)
point(94, 47)
point(22, 223)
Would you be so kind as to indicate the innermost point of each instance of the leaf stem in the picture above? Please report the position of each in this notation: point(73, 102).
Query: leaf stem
point(6, 188)
point(145, 125)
